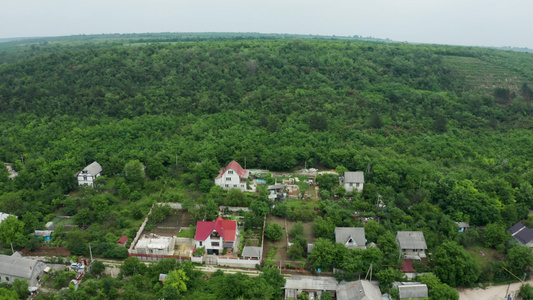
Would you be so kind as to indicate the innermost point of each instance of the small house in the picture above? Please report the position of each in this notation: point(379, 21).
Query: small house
point(232, 177)
point(252, 252)
point(88, 175)
point(352, 181)
point(522, 234)
point(463, 226)
point(413, 291)
point(122, 241)
point(18, 267)
point(412, 244)
point(351, 237)
point(45, 234)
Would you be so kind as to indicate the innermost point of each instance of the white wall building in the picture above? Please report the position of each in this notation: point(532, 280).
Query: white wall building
point(89, 174)
point(232, 177)
point(352, 181)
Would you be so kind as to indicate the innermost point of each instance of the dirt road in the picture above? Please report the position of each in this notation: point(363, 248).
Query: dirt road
point(490, 293)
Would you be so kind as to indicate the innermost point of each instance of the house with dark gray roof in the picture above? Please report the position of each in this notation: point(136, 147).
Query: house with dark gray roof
point(18, 267)
point(351, 237)
point(358, 290)
point(252, 252)
point(412, 244)
point(89, 174)
point(352, 181)
point(522, 234)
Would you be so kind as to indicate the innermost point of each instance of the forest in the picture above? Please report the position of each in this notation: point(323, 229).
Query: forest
point(443, 134)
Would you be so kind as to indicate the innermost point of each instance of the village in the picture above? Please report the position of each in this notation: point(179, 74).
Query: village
point(225, 243)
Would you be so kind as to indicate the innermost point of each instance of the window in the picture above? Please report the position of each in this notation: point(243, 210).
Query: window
point(242, 186)
point(226, 185)
point(7, 278)
point(215, 244)
point(85, 178)
point(234, 185)
point(351, 184)
point(230, 172)
point(357, 184)
point(200, 243)
point(228, 178)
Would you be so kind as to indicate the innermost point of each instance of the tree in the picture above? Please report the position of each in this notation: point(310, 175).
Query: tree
point(131, 266)
point(526, 291)
point(6, 294)
point(10, 228)
point(21, 287)
point(495, 236)
point(455, 266)
point(178, 280)
point(97, 267)
point(520, 259)
point(273, 231)
point(375, 121)
point(260, 208)
point(134, 174)
point(297, 229)
point(437, 289)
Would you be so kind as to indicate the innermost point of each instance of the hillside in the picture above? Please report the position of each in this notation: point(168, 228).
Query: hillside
point(443, 133)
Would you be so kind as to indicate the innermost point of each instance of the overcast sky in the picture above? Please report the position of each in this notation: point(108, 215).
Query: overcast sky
point(457, 22)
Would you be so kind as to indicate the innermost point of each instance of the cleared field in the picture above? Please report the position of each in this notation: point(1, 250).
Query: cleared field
point(172, 224)
point(483, 75)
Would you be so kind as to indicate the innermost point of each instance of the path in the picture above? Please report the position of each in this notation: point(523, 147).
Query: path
point(497, 292)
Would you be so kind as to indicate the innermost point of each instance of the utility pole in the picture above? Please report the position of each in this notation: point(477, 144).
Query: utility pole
point(91, 252)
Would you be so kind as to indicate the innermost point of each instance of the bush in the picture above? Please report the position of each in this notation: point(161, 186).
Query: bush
point(526, 291)
point(296, 230)
point(199, 251)
point(273, 232)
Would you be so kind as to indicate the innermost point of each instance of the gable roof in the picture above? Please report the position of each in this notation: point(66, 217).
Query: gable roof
point(94, 168)
point(413, 291)
point(4, 216)
point(355, 234)
point(17, 266)
point(249, 251)
point(411, 240)
point(235, 167)
point(520, 232)
point(358, 290)
point(226, 228)
point(354, 177)
point(123, 240)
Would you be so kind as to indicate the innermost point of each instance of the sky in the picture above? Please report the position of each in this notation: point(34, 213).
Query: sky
point(455, 22)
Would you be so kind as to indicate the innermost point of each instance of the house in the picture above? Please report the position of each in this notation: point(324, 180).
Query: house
point(232, 177)
point(252, 252)
point(522, 234)
point(153, 245)
point(352, 181)
point(412, 244)
point(413, 291)
point(276, 192)
point(18, 267)
point(46, 234)
point(316, 285)
point(463, 226)
point(11, 171)
point(297, 284)
point(351, 237)
point(4, 216)
point(216, 235)
point(358, 290)
point(89, 174)
point(122, 241)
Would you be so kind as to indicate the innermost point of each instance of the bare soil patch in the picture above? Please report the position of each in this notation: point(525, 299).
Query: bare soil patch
point(172, 224)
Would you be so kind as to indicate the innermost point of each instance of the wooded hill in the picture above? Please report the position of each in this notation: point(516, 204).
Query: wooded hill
point(432, 126)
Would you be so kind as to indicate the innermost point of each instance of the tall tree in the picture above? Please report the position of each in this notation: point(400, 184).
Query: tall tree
point(10, 228)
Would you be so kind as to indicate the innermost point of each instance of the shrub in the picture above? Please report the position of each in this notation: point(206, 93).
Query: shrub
point(273, 232)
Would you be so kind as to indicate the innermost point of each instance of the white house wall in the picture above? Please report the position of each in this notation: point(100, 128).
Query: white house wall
point(230, 180)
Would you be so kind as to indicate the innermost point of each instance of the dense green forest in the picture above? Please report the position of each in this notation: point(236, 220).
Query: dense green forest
point(443, 133)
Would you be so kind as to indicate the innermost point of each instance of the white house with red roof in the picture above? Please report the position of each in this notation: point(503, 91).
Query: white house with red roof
point(216, 235)
point(232, 177)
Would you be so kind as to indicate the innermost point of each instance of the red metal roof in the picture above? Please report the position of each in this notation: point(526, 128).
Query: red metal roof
point(235, 167)
point(226, 228)
point(407, 265)
point(123, 240)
